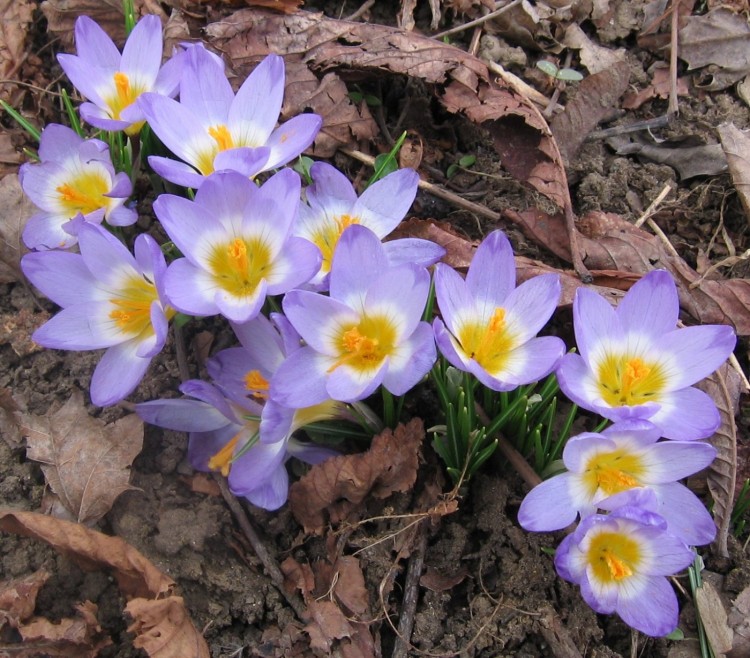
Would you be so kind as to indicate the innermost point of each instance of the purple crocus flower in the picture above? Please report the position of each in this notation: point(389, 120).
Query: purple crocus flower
point(224, 436)
point(333, 205)
point(211, 129)
point(236, 238)
point(621, 562)
point(73, 182)
point(110, 300)
point(113, 82)
point(626, 457)
point(367, 333)
point(488, 325)
point(245, 372)
point(635, 363)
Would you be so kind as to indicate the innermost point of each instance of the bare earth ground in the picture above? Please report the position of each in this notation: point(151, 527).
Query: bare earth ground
point(487, 588)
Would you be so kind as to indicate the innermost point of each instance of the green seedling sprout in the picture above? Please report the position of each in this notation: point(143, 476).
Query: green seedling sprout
point(463, 164)
point(386, 163)
point(563, 74)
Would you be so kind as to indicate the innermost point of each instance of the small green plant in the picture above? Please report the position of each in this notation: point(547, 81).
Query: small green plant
point(463, 163)
point(563, 74)
point(740, 508)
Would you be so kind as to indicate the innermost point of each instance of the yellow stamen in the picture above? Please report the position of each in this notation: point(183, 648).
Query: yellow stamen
point(222, 460)
point(240, 265)
point(613, 556)
point(84, 193)
point(365, 345)
point(222, 137)
point(488, 345)
point(132, 307)
point(613, 472)
point(256, 383)
point(628, 381)
point(328, 237)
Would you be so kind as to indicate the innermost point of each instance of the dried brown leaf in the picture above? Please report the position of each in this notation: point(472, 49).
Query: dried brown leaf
point(739, 621)
point(335, 488)
point(15, 209)
point(81, 637)
point(437, 581)
point(736, 145)
point(714, 618)
point(519, 132)
point(10, 418)
point(327, 623)
point(595, 98)
point(18, 598)
point(609, 242)
point(350, 589)
point(136, 576)
point(85, 462)
point(718, 38)
point(724, 387)
point(61, 16)
point(15, 18)
point(17, 328)
point(164, 629)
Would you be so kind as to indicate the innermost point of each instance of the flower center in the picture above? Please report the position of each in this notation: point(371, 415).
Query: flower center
point(626, 381)
point(222, 460)
point(132, 308)
point(84, 194)
point(364, 346)
point(328, 237)
point(239, 266)
point(222, 137)
point(488, 345)
point(613, 557)
point(256, 384)
point(612, 472)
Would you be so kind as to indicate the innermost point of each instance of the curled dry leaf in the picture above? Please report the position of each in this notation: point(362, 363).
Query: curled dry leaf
point(136, 576)
point(18, 598)
point(736, 146)
point(85, 462)
point(332, 490)
point(81, 637)
point(609, 242)
point(15, 209)
point(61, 16)
point(724, 387)
point(15, 18)
point(462, 82)
point(714, 618)
point(164, 629)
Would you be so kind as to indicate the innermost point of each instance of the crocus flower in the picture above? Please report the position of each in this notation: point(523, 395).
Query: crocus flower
point(488, 325)
point(109, 300)
point(112, 81)
point(245, 372)
point(224, 437)
point(635, 363)
point(74, 180)
point(334, 205)
point(367, 333)
point(211, 129)
point(625, 457)
point(621, 562)
point(237, 243)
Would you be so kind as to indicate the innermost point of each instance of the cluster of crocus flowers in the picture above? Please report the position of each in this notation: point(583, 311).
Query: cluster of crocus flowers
point(636, 368)
point(73, 182)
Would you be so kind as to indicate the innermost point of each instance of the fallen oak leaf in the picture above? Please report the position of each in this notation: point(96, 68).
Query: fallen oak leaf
point(337, 487)
point(164, 629)
point(462, 82)
point(18, 598)
point(136, 576)
point(81, 637)
point(85, 462)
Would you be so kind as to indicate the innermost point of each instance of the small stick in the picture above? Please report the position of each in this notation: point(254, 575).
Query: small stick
point(673, 107)
point(648, 213)
point(365, 7)
point(181, 353)
point(269, 563)
point(477, 21)
point(518, 85)
point(657, 122)
point(411, 595)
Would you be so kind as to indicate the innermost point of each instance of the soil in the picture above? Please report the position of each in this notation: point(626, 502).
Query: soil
point(492, 590)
